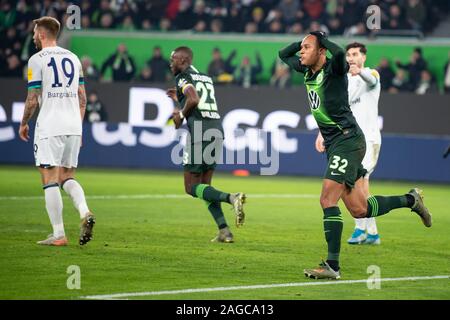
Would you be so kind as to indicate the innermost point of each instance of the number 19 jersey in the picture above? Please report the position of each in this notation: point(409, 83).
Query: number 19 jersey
point(58, 73)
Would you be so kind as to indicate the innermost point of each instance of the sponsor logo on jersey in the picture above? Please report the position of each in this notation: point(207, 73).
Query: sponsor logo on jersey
point(314, 99)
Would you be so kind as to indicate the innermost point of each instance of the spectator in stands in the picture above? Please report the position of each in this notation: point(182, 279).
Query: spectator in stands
point(281, 74)
point(427, 83)
point(415, 67)
point(98, 16)
point(399, 83)
point(386, 74)
point(14, 67)
point(200, 26)
point(219, 69)
point(396, 18)
point(246, 74)
point(145, 75)
point(216, 26)
point(159, 66)
point(122, 64)
point(415, 14)
point(95, 110)
point(288, 9)
point(90, 70)
point(447, 75)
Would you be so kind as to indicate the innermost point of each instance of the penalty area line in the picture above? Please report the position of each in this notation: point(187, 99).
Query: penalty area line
point(254, 287)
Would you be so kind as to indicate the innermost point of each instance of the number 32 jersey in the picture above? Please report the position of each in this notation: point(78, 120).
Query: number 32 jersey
point(206, 113)
point(58, 73)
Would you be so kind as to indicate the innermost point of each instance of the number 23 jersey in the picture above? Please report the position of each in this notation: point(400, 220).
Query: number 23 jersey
point(206, 113)
point(58, 73)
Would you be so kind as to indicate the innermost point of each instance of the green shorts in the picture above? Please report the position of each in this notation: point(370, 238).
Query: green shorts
point(345, 159)
point(202, 156)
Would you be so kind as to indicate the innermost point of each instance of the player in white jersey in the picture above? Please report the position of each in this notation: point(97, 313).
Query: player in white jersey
point(56, 86)
point(363, 95)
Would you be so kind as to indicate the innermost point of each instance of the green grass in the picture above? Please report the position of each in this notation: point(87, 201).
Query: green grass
point(163, 244)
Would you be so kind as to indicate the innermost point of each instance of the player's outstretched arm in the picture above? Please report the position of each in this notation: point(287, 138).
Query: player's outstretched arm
point(289, 56)
point(31, 105)
point(82, 100)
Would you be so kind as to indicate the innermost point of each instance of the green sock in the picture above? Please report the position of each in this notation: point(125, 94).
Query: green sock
point(379, 205)
point(332, 225)
point(208, 193)
point(216, 211)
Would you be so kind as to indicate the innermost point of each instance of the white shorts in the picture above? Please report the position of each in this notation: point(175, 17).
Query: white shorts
point(59, 151)
point(371, 157)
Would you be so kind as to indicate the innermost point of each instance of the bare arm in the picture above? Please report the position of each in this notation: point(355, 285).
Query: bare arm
point(82, 100)
point(289, 56)
point(192, 100)
point(31, 104)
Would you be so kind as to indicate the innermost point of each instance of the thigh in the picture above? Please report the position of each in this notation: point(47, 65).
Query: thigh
point(71, 151)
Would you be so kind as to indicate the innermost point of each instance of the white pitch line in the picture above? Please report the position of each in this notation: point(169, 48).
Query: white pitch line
point(166, 196)
point(262, 286)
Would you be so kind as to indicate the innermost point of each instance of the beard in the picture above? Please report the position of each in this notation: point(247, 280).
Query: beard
point(38, 44)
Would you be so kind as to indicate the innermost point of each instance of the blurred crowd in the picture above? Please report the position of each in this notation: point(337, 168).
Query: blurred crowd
point(335, 17)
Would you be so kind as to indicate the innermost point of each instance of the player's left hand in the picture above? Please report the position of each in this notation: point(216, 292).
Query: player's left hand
point(24, 132)
point(354, 70)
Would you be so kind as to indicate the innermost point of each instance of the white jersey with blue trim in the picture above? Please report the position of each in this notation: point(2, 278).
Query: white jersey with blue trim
point(363, 99)
point(58, 73)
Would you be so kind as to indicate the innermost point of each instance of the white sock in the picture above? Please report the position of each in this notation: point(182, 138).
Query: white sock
point(371, 226)
point(54, 206)
point(75, 191)
point(361, 223)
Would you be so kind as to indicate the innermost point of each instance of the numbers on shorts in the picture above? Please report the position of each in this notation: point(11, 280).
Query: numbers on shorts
point(67, 68)
point(338, 163)
point(207, 94)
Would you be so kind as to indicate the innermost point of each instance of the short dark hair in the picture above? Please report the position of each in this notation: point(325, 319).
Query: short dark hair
point(187, 51)
point(362, 48)
point(50, 24)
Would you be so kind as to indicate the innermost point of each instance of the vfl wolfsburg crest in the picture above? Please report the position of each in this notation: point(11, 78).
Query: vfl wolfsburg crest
point(314, 99)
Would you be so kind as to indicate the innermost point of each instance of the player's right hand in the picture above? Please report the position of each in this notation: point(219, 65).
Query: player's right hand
point(24, 132)
point(172, 93)
point(320, 147)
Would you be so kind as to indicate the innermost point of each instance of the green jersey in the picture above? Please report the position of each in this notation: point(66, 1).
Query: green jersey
point(206, 112)
point(327, 92)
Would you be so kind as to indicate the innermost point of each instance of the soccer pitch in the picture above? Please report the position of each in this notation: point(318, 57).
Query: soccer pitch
point(152, 240)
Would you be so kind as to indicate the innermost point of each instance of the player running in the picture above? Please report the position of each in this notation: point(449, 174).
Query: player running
point(56, 85)
point(364, 93)
point(326, 83)
point(194, 92)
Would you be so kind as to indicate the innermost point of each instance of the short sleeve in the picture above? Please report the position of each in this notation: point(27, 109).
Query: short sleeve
point(184, 81)
point(34, 73)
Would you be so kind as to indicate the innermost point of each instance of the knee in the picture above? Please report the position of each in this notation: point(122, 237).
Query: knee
point(358, 212)
point(326, 202)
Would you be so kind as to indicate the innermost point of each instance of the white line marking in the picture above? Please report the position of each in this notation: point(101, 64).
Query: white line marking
point(166, 196)
point(262, 286)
